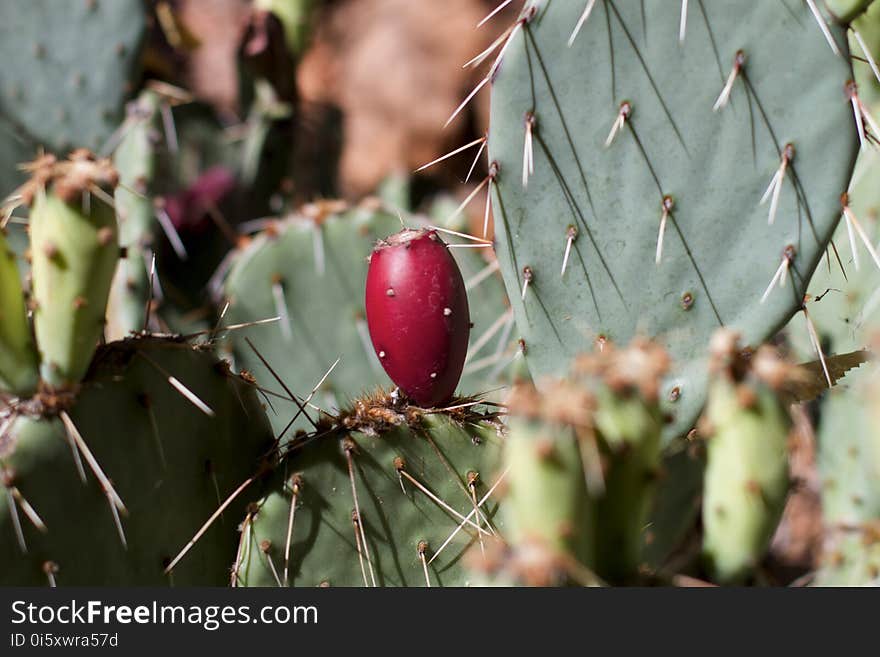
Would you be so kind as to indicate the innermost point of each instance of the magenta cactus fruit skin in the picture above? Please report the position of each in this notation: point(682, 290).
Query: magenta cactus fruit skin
point(417, 314)
point(189, 208)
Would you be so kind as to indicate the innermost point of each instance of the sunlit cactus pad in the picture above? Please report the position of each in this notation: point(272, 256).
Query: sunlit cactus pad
point(400, 457)
point(672, 154)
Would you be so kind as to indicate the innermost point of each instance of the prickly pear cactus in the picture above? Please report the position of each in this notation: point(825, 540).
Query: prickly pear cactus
point(843, 301)
point(372, 497)
point(585, 496)
point(135, 158)
point(843, 304)
point(18, 356)
point(746, 484)
point(548, 508)
point(651, 165)
point(166, 458)
point(308, 271)
point(849, 466)
point(75, 248)
point(629, 425)
point(75, 65)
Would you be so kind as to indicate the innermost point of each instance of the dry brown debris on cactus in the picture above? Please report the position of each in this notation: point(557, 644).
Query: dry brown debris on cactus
point(82, 172)
point(639, 367)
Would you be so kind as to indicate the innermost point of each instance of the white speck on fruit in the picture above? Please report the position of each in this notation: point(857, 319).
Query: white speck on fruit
point(433, 375)
point(447, 312)
point(390, 292)
point(381, 354)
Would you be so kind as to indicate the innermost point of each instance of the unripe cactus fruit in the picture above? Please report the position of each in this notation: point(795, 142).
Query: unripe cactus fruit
point(417, 313)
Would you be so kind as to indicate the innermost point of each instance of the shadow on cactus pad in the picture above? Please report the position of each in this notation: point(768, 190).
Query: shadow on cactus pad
point(168, 457)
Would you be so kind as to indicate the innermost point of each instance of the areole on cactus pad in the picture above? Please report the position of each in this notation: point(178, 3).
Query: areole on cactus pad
point(649, 165)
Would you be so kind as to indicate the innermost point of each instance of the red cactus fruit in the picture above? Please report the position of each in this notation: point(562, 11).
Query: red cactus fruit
point(417, 313)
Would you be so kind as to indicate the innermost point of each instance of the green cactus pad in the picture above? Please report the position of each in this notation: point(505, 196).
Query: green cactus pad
point(75, 248)
point(719, 253)
point(676, 506)
point(547, 502)
point(845, 310)
point(75, 65)
point(19, 373)
point(135, 160)
point(317, 261)
point(442, 453)
point(848, 458)
point(168, 461)
point(844, 302)
point(630, 428)
point(17, 148)
point(584, 460)
point(746, 481)
point(868, 28)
